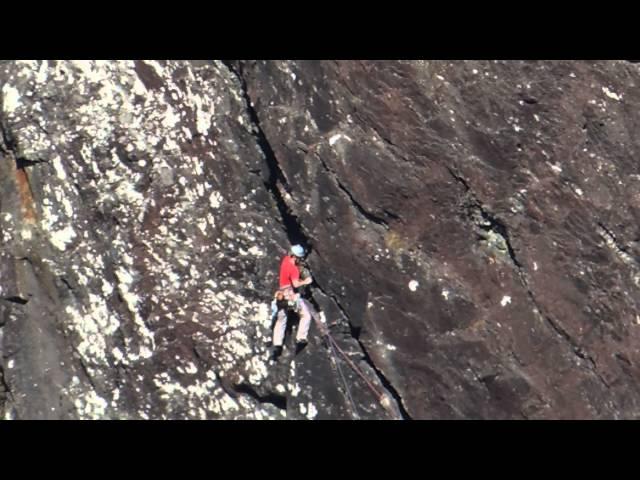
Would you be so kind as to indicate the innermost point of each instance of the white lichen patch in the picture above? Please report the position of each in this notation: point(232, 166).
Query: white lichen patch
point(59, 168)
point(257, 368)
point(611, 94)
point(92, 323)
point(117, 355)
point(294, 389)
point(312, 412)
point(11, 98)
point(129, 147)
point(215, 199)
point(334, 138)
point(61, 238)
point(146, 337)
point(91, 406)
point(191, 369)
point(200, 397)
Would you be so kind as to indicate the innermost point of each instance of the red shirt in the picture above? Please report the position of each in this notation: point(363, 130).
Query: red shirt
point(288, 272)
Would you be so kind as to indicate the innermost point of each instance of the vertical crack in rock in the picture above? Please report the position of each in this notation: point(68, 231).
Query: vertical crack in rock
point(22, 163)
point(80, 359)
point(66, 283)
point(491, 223)
point(9, 147)
point(16, 299)
point(394, 149)
point(277, 179)
point(8, 143)
point(368, 215)
point(499, 227)
point(84, 368)
point(293, 227)
point(5, 391)
point(383, 379)
point(613, 244)
point(279, 401)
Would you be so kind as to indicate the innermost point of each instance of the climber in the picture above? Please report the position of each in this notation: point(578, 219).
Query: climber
point(290, 269)
point(286, 299)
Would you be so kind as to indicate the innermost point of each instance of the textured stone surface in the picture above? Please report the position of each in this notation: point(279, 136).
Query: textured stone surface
point(505, 191)
point(472, 229)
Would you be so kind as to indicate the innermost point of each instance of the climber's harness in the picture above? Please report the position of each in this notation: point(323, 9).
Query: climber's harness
point(289, 298)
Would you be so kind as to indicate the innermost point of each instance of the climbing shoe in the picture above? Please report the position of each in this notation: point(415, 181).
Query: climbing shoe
point(277, 351)
point(300, 346)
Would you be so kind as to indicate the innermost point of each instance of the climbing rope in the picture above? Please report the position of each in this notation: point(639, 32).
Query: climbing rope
point(334, 347)
point(344, 380)
point(379, 395)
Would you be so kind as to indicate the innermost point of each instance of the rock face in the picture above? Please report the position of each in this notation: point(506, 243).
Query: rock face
point(472, 228)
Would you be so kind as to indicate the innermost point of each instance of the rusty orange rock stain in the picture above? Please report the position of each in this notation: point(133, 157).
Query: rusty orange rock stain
point(26, 197)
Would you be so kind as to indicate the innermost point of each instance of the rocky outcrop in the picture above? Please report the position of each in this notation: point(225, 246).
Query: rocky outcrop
point(471, 227)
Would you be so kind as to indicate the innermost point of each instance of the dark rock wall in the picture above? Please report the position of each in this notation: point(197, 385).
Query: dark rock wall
point(471, 225)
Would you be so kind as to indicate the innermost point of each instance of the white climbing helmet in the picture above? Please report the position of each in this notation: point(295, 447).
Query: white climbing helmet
point(298, 251)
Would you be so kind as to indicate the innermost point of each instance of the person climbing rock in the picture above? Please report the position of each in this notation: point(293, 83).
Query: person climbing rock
point(290, 269)
point(287, 299)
